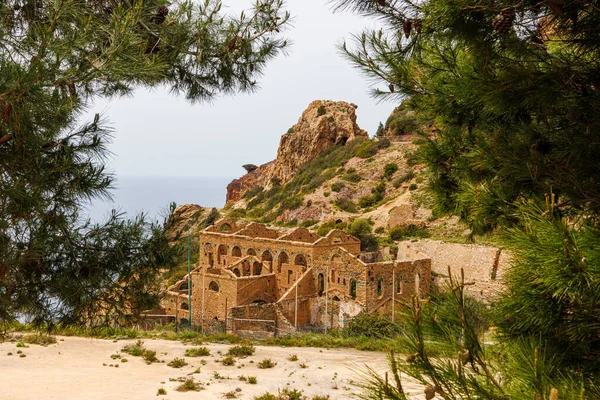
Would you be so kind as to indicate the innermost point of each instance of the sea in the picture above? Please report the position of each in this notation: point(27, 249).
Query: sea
point(153, 194)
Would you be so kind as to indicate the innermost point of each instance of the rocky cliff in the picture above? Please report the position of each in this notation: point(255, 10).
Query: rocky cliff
point(323, 124)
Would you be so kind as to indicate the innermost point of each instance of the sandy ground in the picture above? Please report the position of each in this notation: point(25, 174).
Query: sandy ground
point(74, 369)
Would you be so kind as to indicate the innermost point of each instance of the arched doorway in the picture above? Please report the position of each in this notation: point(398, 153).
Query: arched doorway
point(256, 268)
point(221, 253)
point(251, 252)
point(300, 260)
point(321, 284)
point(236, 251)
point(283, 258)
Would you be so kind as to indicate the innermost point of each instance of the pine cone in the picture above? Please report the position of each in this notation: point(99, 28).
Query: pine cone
point(161, 15)
point(380, 2)
point(418, 25)
point(6, 111)
point(391, 87)
point(407, 26)
point(502, 23)
point(429, 392)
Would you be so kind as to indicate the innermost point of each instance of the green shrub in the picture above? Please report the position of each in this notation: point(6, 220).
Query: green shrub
point(404, 178)
point(352, 177)
point(243, 350)
point(177, 363)
point(367, 149)
point(389, 170)
point(252, 380)
point(371, 326)
point(346, 205)
point(413, 186)
point(329, 225)
point(291, 130)
point(367, 201)
point(228, 361)
point(197, 352)
point(149, 356)
point(266, 363)
point(309, 223)
point(337, 186)
point(383, 143)
point(189, 385)
point(39, 339)
point(326, 194)
point(361, 228)
point(252, 192)
point(380, 230)
point(410, 231)
point(161, 392)
point(249, 167)
point(293, 357)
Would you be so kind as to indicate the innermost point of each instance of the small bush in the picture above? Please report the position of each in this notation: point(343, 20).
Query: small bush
point(346, 205)
point(266, 363)
point(371, 326)
point(389, 170)
point(380, 230)
point(197, 352)
point(366, 149)
point(308, 223)
point(249, 167)
point(149, 356)
point(337, 186)
point(177, 363)
point(293, 357)
point(40, 339)
point(383, 143)
point(413, 186)
point(291, 130)
point(228, 361)
point(161, 392)
point(189, 385)
point(410, 231)
point(252, 380)
point(243, 350)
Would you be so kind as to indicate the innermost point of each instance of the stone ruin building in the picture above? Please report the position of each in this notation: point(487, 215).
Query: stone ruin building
point(258, 279)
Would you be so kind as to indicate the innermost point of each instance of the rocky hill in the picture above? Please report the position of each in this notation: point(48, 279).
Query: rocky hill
point(323, 125)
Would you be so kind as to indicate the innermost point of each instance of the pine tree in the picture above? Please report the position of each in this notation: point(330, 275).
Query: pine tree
point(56, 58)
point(513, 92)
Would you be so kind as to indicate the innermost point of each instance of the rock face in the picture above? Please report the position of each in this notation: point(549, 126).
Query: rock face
point(178, 220)
point(323, 124)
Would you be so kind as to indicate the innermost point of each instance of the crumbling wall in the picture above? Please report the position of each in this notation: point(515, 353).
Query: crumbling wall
point(255, 289)
point(482, 265)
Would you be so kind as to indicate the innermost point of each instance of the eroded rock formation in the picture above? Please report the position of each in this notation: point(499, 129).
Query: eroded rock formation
point(323, 124)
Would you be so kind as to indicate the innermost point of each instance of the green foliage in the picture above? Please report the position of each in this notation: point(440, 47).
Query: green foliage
point(409, 231)
point(383, 143)
point(197, 352)
point(362, 228)
point(389, 170)
point(291, 130)
point(161, 392)
point(380, 130)
point(266, 364)
point(243, 350)
point(189, 385)
point(252, 380)
point(311, 176)
point(177, 363)
point(367, 149)
point(309, 222)
point(39, 339)
point(337, 186)
point(249, 167)
point(57, 59)
point(321, 111)
point(371, 326)
point(228, 361)
point(138, 350)
point(346, 205)
point(378, 194)
point(413, 186)
point(402, 121)
point(329, 225)
point(404, 178)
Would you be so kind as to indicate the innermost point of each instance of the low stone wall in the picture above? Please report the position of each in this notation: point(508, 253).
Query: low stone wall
point(482, 265)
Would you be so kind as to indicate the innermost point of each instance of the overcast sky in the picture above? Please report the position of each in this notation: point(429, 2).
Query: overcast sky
point(158, 134)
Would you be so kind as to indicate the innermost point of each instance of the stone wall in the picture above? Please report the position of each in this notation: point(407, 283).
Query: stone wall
point(483, 265)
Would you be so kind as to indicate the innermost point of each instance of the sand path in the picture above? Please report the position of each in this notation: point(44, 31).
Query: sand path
point(73, 369)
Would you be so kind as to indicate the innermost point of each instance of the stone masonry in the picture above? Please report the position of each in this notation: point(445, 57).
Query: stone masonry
point(259, 276)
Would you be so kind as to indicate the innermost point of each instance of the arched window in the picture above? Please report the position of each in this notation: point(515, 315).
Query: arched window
point(236, 251)
point(236, 271)
point(221, 252)
point(379, 287)
point(266, 256)
point(300, 260)
point(246, 268)
point(353, 288)
point(321, 284)
point(214, 286)
point(257, 268)
point(184, 306)
point(251, 252)
point(282, 258)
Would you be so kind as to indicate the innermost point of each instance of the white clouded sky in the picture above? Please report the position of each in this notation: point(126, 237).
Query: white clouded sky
point(158, 134)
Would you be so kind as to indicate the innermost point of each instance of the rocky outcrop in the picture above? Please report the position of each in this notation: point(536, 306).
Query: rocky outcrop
point(323, 124)
point(179, 219)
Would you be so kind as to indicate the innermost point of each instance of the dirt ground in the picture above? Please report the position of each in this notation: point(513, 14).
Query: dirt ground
point(79, 368)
